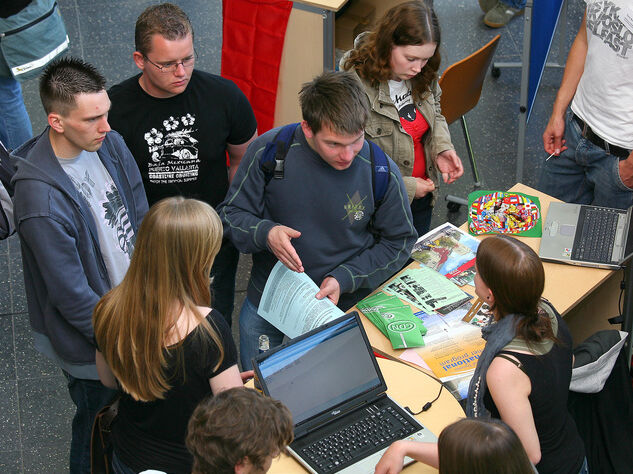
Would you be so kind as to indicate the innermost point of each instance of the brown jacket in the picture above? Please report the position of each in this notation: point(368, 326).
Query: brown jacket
point(384, 129)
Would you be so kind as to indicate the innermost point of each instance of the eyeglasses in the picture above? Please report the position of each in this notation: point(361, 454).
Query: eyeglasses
point(173, 67)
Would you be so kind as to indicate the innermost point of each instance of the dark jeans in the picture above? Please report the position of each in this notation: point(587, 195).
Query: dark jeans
point(89, 396)
point(422, 212)
point(118, 466)
point(223, 285)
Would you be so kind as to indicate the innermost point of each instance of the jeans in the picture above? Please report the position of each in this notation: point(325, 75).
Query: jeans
point(118, 467)
point(223, 285)
point(422, 212)
point(584, 468)
point(15, 125)
point(518, 4)
point(584, 173)
point(89, 396)
point(252, 326)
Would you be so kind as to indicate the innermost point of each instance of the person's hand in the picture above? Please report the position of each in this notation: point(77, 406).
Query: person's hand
point(553, 136)
point(279, 243)
point(329, 288)
point(392, 461)
point(626, 171)
point(449, 165)
point(247, 375)
point(423, 187)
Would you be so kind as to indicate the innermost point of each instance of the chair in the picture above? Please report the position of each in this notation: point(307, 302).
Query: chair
point(461, 86)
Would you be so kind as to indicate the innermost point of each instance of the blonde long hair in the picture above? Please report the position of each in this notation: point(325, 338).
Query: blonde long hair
point(175, 248)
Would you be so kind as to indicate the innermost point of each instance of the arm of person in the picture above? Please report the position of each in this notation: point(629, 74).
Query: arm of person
point(105, 374)
point(133, 176)
point(393, 459)
point(52, 246)
point(443, 152)
point(510, 389)
point(226, 379)
point(394, 224)
point(574, 67)
point(242, 214)
point(236, 152)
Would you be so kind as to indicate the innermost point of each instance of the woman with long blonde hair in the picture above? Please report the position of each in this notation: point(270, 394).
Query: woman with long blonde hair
point(159, 341)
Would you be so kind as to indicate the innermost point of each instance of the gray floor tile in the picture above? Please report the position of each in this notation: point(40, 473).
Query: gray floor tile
point(9, 418)
point(50, 458)
point(18, 295)
point(10, 462)
point(5, 286)
point(7, 350)
point(30, 364)
point(46, 412)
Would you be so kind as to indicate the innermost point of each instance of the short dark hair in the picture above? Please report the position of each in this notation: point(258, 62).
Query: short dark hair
point(335, 99)
point(64, 79)
point(235, 424)
point(476, 446)
point(165, 19)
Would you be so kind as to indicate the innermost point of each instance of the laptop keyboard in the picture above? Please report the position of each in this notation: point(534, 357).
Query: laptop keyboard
point(377, 427)
point(595, 242)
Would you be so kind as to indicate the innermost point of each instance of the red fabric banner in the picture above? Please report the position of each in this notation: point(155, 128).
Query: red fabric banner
point(253, 40)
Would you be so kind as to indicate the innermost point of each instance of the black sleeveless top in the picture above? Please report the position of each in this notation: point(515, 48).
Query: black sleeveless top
point(562, 449)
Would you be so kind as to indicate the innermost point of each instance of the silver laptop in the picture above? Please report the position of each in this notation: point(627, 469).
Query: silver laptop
point(330, 380)
point(590, 236)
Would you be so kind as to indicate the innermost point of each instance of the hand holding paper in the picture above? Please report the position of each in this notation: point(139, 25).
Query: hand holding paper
point(329, 288)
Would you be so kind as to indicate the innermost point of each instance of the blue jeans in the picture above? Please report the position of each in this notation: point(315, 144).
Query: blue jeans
point(252, 326)
point(223, 286)
point(584, 173)
point(422, 212)
point(89, 396)
point(584, 469)
point(519, 4)
point(118, 466)
point(15, 125)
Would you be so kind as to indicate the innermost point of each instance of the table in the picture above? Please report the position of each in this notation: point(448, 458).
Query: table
point(408, 387)
point(585, 297)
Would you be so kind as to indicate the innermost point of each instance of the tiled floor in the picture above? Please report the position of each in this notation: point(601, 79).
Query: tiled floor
point(35, 409)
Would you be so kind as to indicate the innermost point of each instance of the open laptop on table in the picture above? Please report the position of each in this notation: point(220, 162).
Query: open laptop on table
point(589, 236)
point(331, 382)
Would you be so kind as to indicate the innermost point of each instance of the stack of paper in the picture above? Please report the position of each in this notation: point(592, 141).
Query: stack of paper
point(394, 319)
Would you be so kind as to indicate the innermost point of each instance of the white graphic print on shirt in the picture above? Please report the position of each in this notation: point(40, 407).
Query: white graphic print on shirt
point(174, 151)
point(603, 21)
point(400, 94)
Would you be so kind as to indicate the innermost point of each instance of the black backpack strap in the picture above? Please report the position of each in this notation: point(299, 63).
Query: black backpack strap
point(272, 159)
point(7, 169)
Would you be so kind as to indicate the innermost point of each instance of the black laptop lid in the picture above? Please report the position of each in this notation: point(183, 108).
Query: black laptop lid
point(315, 375)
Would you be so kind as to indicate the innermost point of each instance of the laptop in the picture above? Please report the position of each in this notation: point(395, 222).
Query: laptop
point(330, 380)
point(590, 236)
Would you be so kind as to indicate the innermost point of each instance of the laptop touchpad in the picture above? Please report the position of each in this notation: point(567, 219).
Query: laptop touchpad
point(567, 230)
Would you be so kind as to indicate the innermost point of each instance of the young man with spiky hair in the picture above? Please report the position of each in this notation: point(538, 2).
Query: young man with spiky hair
point(79, 201)
point(180, 123)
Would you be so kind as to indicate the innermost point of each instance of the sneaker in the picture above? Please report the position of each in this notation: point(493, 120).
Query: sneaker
point(500, 15)
point(487, 5)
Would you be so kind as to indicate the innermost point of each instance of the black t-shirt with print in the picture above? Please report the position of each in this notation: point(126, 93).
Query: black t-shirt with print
point(152, 434)
point(179, 143)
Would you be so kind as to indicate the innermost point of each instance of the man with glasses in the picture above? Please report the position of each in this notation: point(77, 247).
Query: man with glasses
point(180, 122)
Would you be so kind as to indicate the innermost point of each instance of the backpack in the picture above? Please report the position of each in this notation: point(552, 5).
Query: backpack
point(272, 159)
point(7, 170)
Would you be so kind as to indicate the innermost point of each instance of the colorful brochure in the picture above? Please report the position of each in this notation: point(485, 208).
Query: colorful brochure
point(449, 251)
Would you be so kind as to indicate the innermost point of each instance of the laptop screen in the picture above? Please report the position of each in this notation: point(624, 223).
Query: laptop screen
point(318, 372)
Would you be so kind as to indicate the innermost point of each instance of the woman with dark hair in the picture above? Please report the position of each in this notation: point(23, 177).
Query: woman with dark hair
point(398, 63)
point(158, 339)
point(471, 446)
point(523, 374)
